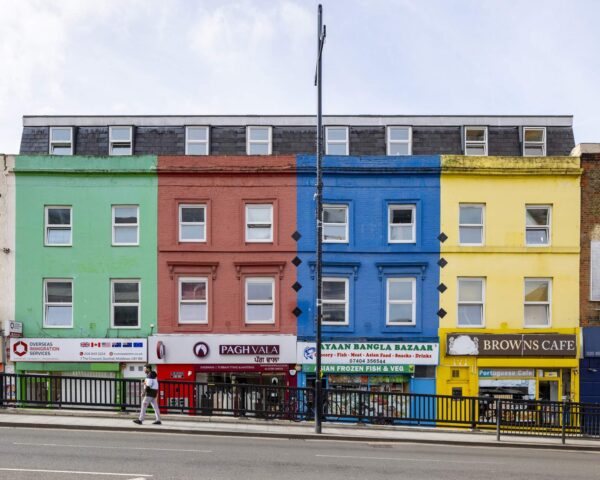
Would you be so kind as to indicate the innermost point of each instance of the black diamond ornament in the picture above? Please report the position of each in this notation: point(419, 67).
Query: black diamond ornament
point(296, 286)
point(296, 261)
point(442, 262)
point(441, 313)
point(442, 237)
point(442, 288)
point(297, 312)
point(296, 235)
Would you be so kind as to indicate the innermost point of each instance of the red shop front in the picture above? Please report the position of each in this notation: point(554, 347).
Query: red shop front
point(220, 369)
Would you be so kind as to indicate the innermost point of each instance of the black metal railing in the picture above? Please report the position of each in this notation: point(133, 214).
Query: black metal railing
point(505, 416)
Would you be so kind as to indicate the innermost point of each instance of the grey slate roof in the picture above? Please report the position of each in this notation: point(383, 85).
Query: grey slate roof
point(165, 135)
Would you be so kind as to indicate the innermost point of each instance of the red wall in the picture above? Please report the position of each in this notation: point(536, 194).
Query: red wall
point(225, 184)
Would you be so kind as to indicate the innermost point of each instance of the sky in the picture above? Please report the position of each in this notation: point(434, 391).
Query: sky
point(195, 57)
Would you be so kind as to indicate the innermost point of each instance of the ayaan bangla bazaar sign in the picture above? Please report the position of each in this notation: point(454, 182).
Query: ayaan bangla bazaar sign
point(517, 345)
point(369, 353)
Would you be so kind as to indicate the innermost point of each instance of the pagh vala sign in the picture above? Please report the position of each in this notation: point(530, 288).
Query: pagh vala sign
point(516, 345)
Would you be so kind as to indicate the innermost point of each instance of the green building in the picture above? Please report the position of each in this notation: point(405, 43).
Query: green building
point(85, 264)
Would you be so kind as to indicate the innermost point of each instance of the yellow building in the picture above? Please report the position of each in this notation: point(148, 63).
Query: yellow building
point(511, 296)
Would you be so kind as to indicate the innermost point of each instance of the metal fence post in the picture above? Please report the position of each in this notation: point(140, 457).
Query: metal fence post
point(473, 414)
point(498, 418)
point(564, 422)
point(1, 390)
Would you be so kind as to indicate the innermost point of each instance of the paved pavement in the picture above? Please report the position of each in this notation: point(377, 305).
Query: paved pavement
point(234, 426)
point(57, 454)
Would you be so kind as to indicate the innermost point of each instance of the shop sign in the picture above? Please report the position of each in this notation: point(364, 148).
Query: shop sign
point(223, 349)
point(517, 345)
point(78, 350)
point(488, 372)
point(369, 353)
point(366, 369)
point(13, 329)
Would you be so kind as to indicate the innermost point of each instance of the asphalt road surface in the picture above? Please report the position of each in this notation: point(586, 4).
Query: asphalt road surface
point(68, 454)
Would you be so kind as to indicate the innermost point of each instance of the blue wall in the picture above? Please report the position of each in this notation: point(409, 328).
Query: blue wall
point(368, 185)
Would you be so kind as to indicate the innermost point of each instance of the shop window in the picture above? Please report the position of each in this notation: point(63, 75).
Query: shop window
point(335, 301)
point(476, 141)
point(399, 140)
point(120, 140)
point(470, 219)
point(401, 301)
point(259, 223)
point(258, 140)
point(537, 225)
point(538, 294)
point(335, 223)
point(125, 228)
point(125, 303)
point(336, 141)
point(192, 223)
point(193, 300)
point(58, 303)
point(196, 141)
point(58, 226)
point(260, 300)
point(471, 294)
point(534, 142)
point(61, 141)
point(401, 223)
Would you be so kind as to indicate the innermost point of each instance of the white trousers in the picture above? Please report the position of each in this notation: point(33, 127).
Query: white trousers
point(149, 401)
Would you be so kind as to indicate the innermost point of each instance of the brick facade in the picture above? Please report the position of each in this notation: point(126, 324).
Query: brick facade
point(590, 230)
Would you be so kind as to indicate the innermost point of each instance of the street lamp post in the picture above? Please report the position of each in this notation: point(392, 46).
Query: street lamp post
point(319, 214)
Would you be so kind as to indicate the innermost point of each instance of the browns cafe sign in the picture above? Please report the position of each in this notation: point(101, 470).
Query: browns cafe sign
point(517, 345)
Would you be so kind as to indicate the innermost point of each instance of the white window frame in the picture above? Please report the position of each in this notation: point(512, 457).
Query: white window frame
point(548, 303)
point(182, 223)
point(413, 301)
point(113, 282)
point(58, 304)
point(346, 300)
point(183, 280)
point(337, 142)
point(535, 144)
point(402, 206)
point(111, 142)
point(390, 142)
point(460, 302)
point(188, 141)
point(595, 271)
point(266, 240)
point(548, 227)
point(476, 143)
point(346, 224)
point(250, 141)
point(52, 143)
point(47, 228)
point(472, 225)
point(129, 225)
point(247, 302)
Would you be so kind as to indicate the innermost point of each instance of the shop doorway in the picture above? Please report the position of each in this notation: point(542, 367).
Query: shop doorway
point(548, 390)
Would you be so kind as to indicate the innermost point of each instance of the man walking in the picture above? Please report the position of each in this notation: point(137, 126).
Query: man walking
point(149, 395)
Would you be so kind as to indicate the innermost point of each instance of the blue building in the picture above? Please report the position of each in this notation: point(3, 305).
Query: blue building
point(380, 272)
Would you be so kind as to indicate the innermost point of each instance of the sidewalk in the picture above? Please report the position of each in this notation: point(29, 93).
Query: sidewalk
point(235, 426)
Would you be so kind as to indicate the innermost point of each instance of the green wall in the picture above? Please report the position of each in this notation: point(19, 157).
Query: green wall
point(91, 185)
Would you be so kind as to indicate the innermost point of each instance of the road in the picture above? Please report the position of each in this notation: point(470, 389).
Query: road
point(45, 454)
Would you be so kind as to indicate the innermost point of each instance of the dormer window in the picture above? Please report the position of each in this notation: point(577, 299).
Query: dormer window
point(61, 141)
point(120, 140)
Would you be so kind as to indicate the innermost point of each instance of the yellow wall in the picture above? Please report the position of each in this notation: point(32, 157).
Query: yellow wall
point(505, 185)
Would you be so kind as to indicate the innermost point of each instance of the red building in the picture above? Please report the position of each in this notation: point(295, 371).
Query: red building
point(225, 246)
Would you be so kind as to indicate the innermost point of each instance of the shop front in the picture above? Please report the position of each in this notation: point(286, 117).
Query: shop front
point(74, 357)
point(221, 359)
point(521, 366)
point(402, 367)
point(590, 365)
